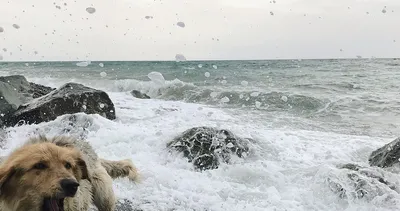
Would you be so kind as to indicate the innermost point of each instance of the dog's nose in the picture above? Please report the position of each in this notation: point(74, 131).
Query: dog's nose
point(69, 186)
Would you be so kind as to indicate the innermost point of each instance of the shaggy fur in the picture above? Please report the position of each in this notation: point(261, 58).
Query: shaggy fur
point(32, 173)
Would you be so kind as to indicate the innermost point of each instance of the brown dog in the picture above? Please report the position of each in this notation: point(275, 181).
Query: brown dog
point(59, 174)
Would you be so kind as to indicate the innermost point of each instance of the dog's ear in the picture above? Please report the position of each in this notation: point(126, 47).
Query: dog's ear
point(6, 172)
point(84, 169)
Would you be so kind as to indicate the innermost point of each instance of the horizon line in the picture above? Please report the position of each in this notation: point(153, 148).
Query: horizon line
point(201, 60)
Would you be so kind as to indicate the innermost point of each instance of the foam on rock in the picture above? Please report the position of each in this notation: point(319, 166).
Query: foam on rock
point(207, 147)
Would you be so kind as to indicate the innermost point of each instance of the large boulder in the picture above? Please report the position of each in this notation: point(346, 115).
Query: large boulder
point(68, 99)
point(15, 90)
point(206, 147)
point(27, 89)
point(387, 155)
point(352, 181)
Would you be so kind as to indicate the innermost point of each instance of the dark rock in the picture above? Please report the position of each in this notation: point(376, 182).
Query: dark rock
point(356, 182)
point(19, 82)
point(387, 155)
point(139, 94)
point(68, 99)
point(9, 100)
point(15, 90)
point(206, 147)
point(38, 90)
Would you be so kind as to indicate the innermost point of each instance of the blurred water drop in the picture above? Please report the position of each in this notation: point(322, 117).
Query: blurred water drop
point(225, 100)
point(258, 104)
point(101, 65)
point(271, 13)
point(16, 26)
point(254, 94)
point(207, 74)
point(215, 66)
point(91, 10)
point(1, 57)
point(284, 98)
point(180, 57)
point(181, 24)
point(244, 83)
point(213, 94)
point(200, 65)
point(1, 29)
point(103, 74)
point(84, 107)
point(101, 105)
point(224, 82)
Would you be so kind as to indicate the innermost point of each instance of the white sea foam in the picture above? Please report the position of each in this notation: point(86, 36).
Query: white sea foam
point(286, 169)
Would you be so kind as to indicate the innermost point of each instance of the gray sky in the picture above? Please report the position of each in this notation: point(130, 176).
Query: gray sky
point(214, 29)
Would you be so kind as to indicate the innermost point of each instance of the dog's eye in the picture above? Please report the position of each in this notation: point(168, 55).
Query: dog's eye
point(68, 165)
point(40, 166)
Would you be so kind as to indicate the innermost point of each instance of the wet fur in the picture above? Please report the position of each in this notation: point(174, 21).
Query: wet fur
point(23, 188)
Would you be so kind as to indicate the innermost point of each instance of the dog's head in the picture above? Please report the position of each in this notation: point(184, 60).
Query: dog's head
point(40, 176)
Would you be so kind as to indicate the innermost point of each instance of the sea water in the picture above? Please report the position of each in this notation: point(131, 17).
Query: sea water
point(305, 116)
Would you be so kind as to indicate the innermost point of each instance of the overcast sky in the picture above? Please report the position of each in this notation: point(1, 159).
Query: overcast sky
point(214, 29)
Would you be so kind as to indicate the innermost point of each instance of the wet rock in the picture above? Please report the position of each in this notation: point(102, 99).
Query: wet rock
point(387, 155)
point(139, 94)
point(38, 90)
point(352, 181)
point(207, 147)
point(68, 99)
point(15, 90)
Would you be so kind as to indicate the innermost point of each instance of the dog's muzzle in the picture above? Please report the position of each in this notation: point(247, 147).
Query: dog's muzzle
point(69, 187)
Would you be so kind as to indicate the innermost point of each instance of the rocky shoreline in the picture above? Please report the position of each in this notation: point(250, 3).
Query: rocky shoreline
point(24, 102)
